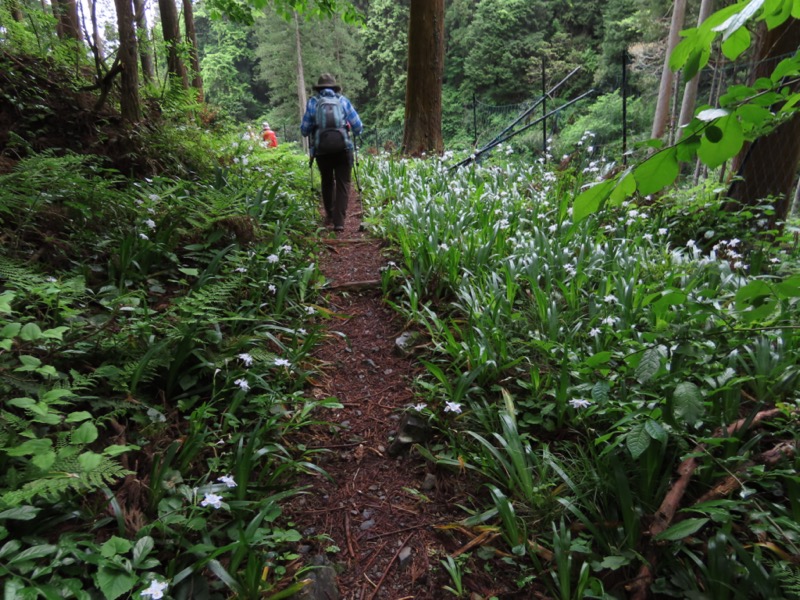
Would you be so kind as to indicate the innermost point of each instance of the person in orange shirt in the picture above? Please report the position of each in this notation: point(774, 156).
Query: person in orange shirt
point(270, 139)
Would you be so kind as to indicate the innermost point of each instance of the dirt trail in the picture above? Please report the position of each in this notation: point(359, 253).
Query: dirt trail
point(368, 511)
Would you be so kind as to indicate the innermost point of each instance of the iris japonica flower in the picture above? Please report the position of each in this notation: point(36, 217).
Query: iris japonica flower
point(155, 590)
point(228, 481)
point(246, 359)
point(579, 403)
point(452, 407)
point(273, 258)
point(212, 500)
point(242, 383)
point(282, 362)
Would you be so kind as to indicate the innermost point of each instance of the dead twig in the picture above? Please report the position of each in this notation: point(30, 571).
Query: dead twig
point(389, 566)
point(669, 506)
point(347, 535)
point(357, 286)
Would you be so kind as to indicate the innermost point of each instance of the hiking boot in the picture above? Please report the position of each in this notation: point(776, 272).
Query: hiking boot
point(338, 228)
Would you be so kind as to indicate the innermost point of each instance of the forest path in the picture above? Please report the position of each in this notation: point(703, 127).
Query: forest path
point(380, 512)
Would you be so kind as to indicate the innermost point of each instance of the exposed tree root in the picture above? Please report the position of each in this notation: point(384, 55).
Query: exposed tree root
point(662, 519)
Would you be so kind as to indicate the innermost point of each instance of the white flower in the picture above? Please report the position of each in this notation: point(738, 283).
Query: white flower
point(311, 310)
point(662, 231)
point(155, 590)
point(143, 236)
point(240, 270)
point(609, 320)
point(244, 160)
point(212, 500)
point(273, 258)
point(50, 279)
point(594, 332)
point(228, 481)
point(154, 197)
point(246, 359)
point(150, 223)
point(579, 403)
point(286, 248)
point(691, 244)
point(552, 228)
point(272, 289)
point(734, 242)
point(611, 299)
point(242, 383)
point(648, 237)
point(452, 407)
point(301, 331)
point(420, 407)
point(282, 362)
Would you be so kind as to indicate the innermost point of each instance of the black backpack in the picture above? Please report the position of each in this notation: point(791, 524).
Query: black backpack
point(330, 135)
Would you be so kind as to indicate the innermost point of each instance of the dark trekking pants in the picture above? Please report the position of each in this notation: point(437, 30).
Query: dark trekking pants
point(334, 170)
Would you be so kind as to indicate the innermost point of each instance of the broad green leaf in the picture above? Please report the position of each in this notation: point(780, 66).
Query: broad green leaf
point(656, 431)
point(754, 114)
point(33, 553)
point(10, 548)
point(613, 562)
point(637, 440)
point(30, 332)
point(657, 172)
point(142, 548)
point(29, 363)
point(77, 417)
point(598, 359)
point(736, 21)
point(115, 545)
point(589, 201)
point(600, 391)
point(89, 461)
point(756, 301)
point(648, 366)
point(56, 333)
point(776, 12)
point(789, 288)
point(114, 582)
point(737, 43)
point(20, 513)
point(687, 402)
point(681, 530)
point(37, 446)
point(6, 298)
point(116, 449)
point(44, 460)
point(56, 394)
point(21, 402)
point(85, 434)
point(192, 272)
point(623, 190)
point(796, 9)
point(10, 330)
point(724, 144)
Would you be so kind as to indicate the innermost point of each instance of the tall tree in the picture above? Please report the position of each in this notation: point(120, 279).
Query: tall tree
point(690, 89)
point(170, 27)
point(423, 121)
point(191, 42)
point(14, 9)
point(661, 116)
point(68, 25)
point(129, 60)
point(143, 39)
point(768, 166)
point(301, 77)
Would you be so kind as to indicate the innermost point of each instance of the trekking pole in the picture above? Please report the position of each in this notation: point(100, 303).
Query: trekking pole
point(311, 171)
point(355, 152)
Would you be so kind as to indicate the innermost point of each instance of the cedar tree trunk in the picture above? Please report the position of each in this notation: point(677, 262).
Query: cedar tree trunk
point(68, 26)
point(665, 89)
point(423, 116)
point(128, 57)
point(191, 40)
point(145, 48)
point(172, 37)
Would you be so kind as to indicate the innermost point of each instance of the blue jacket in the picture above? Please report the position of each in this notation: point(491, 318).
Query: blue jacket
point(350, 114)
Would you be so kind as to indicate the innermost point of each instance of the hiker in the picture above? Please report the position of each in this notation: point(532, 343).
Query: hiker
point(270, 139)
point(327, 121)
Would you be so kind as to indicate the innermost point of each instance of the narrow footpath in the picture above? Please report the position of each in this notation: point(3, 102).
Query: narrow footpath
point(391, 520)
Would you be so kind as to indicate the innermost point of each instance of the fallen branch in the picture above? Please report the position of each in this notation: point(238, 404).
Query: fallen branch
point(731, 483)
point(669, 506)
point(389, 566)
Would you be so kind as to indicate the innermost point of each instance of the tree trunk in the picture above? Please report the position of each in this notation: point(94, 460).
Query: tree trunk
point(128, 57)
point(191, 40)
point(302, 99)
point(172, 38)
point(423, 114)
point(15, 10)
point(665, 89)
point(97, 39)
point(145, 47)
point(767, 166)
point(66, 12)
point(690, 89)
